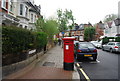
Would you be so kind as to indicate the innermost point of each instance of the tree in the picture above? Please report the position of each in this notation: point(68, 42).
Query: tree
point(40, 24)
point(89, 33)
point(110, 17)
point(64, 19)
point(51, 28)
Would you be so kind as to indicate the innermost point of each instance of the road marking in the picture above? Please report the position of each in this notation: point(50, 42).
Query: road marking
point(87, 78)
point(78, 65)
point(85, 75)
point(97, 61)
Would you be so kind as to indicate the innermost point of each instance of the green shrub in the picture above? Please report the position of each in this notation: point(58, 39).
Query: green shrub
point(106, 39)
point(41, 40)
point(17, 41)
point(117, 39)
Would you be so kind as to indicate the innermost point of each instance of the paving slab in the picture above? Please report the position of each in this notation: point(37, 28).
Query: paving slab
point(47, 73)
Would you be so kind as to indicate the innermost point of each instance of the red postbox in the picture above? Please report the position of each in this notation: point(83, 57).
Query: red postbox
point(68, 53)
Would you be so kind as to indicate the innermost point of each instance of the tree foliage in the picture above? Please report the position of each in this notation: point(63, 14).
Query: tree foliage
point(40, 24)
point(50, 27)
point(110, 17)
point(64, 19)
point(89, 33)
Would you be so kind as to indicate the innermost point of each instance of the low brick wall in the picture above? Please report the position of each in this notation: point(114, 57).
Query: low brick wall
point(10, 69)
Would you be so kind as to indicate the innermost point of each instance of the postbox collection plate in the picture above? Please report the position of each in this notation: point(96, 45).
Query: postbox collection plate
point(67, 47)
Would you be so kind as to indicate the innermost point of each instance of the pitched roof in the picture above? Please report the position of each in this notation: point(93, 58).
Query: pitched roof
point(109, 24)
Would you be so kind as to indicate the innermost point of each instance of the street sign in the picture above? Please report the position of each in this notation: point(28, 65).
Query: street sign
point(63, 32)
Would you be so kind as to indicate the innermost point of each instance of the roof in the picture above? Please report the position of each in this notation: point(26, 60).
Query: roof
point(109, 24)
point(34, 8)
point(101, 25)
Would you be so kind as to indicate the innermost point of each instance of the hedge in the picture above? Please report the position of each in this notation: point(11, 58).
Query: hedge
point(117, 39)
point(17, 41)
point(41, 40)
point(114, 39)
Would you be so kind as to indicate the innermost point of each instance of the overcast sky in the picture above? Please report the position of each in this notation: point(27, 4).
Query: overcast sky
point(84, 11)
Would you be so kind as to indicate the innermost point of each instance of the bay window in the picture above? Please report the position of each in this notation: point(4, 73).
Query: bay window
point(4, 4)
point(21, 9)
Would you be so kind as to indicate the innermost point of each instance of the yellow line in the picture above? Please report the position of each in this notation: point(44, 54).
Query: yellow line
point(85, 75)
point(78, 65)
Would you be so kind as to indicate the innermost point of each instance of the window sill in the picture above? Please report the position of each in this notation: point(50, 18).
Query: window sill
point(11, 12)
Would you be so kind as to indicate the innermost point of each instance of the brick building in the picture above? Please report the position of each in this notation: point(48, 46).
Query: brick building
point(99, 30)
point(79, 32)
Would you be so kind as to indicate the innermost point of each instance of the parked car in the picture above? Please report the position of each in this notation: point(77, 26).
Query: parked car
point(85, 49)
point(112, 47)
point(76, 40)
point(96, 44)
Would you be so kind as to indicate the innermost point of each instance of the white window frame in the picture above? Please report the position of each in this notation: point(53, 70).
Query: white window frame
point(21, 10)
point(26, 11)
point(3, 5)
point(32, 18)
point(81, 32)
point(35, 18)
point(11, 5)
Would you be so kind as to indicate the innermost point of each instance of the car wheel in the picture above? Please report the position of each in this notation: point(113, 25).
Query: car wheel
point(94, 57)
point(111, 50)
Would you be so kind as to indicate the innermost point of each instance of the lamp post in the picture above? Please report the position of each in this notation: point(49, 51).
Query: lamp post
point(117, 23)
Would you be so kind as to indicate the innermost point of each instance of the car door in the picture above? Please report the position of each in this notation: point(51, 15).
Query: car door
point(108, 46)
point(111, 46)
point(118, 44)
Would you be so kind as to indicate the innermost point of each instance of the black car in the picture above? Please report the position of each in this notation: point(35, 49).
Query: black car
point(85, 49)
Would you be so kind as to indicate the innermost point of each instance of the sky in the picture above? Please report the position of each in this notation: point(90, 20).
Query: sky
point(84, 11)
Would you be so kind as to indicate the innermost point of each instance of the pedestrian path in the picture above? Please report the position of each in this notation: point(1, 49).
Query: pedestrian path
point(50, 66)
point(55, 55)
point(47, 73)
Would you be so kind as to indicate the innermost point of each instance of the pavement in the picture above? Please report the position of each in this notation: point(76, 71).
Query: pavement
point(50, 66)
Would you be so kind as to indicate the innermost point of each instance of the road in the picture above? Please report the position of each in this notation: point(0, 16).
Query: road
point(106, 66)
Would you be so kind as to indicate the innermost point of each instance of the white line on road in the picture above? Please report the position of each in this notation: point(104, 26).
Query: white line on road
point(97, 61)
point(78, 65)
point(85, 75)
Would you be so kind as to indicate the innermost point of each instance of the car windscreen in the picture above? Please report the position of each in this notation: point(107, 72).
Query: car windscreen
point(86, 45)
point(118, 44)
